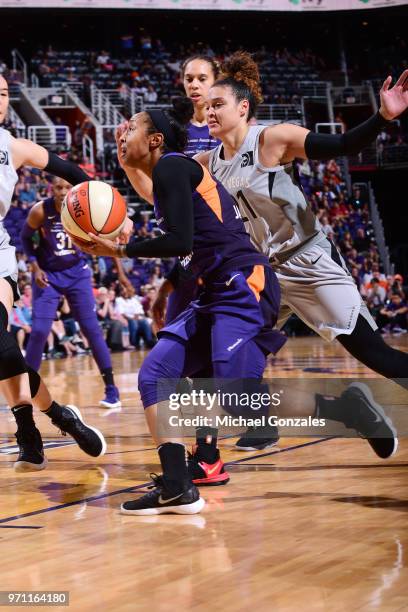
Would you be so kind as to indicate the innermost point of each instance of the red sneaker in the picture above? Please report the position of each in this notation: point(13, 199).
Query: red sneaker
point(206, 474)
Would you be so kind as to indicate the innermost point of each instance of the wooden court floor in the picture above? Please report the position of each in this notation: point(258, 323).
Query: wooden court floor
point(308, 525)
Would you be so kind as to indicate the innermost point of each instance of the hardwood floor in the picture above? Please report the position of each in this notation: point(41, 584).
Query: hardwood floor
point(312, 524)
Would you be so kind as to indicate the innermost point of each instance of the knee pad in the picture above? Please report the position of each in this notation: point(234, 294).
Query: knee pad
point(12, 362)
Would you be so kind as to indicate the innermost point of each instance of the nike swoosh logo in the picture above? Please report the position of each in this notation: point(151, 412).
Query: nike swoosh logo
point(213, 469)
point(316, 260)
point(53, 217)
point(231, 279)
point(170, 499)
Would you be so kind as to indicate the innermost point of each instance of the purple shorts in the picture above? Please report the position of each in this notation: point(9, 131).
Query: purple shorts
point(233, 308)
point(74, 284)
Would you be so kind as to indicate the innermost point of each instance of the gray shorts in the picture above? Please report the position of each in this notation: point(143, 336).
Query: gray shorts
point(317, 287)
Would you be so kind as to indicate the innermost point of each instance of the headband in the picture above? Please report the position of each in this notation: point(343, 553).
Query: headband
point(163, 125)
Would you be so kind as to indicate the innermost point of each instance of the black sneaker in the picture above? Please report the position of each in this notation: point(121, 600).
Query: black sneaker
point(204, 473)
point(264, 437)
point(31, 457)
point(368, 418)
point(161, 500)
point(89, 439)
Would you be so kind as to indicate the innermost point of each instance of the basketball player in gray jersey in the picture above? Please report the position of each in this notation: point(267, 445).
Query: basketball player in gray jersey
point(256, 165)
point(18, 382)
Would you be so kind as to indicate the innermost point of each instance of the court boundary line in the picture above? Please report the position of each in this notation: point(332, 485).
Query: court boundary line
point(146, 484)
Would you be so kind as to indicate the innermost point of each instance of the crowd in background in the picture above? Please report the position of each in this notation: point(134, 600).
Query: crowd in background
point(124, 310)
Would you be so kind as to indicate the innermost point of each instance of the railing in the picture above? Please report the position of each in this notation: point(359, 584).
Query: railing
point(280, 112)
point(383, 156)
point(134, 103)
point(314, 89)
point(331, 127)
point(353, 94)
point(16, 121)
point(103, 109)
point(377, 227)
point(14, 91)
point(76, 86)
point(50, 136)
point(88, 150)
point(19, 64)
point(58, 97)
point(372, 96)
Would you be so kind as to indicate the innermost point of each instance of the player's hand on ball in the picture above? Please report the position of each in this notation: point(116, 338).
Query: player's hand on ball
point(100, 247)
point(41, 279)
point(126, 232)
point(394, 101)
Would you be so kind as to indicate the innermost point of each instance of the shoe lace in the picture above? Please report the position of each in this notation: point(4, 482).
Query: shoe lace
point(157, 481)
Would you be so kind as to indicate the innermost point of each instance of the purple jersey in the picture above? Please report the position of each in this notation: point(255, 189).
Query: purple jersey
point(220, 240)
point(55, 251)
point(199, 139)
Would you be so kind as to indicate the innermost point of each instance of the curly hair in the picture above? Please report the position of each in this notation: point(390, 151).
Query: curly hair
point(241, 74)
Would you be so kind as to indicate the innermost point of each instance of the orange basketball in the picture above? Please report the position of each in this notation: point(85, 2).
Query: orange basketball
point(95, 207)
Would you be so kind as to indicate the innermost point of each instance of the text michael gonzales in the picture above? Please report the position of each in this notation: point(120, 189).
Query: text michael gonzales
point(233, 401)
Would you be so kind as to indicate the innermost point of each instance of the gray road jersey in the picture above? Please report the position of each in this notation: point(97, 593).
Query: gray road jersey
point(279, 220)
point(8, 180)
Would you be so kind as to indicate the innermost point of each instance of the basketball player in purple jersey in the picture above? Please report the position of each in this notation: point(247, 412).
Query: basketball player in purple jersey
point(230, 326)
point(21, 385)
point(61, 269)
point(199, 73)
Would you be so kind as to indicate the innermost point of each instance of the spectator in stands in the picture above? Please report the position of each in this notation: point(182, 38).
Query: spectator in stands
point(19, 324)
point(130, 307)
point(157, 277)
point(375, 273)
point(103, 59)
point(393, 317)
point(150, 97)
point(376, 296)
point(148, 300)
point(361, 241)
point(86, 126)
point(111, 322)
point(326, 227)
point(396, 287)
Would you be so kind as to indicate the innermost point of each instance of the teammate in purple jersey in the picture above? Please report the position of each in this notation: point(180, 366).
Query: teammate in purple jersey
point(59, 268)
point(230, 326)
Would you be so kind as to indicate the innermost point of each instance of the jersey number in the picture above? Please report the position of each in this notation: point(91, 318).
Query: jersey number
point(240, 196)
point(63, 241)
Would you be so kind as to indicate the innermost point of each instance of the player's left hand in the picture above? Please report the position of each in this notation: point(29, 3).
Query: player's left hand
point(127, 231)
point(101, 247)
point(394, 101)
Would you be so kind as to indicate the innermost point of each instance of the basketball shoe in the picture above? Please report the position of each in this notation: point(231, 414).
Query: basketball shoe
point(31, 457)
point(368, 418)
point(111, 399)
point(205, 472)
point(89, 439)
point(258, 438)
point(162, 499)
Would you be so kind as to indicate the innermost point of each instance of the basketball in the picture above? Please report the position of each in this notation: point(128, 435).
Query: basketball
point(96, 207)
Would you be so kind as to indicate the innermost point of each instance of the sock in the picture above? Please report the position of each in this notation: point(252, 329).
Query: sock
point(23, 413)
point(54, 411)
point(207, 435)
point(174, 465)
point(330, 408)
point(107, 376)
point(206, 438)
